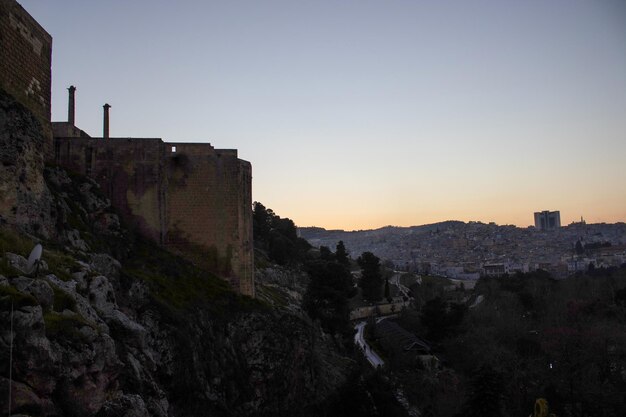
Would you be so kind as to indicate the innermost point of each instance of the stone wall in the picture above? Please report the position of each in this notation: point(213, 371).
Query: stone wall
point(209, 210)
point(25, 62)
point(130, 173)
point(196, 200)
point(192, 198)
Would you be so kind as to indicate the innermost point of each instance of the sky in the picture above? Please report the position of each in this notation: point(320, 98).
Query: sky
point(357, 114)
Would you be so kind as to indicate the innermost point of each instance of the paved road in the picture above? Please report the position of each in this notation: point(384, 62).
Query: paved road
point(359, 340)
point(395, 280)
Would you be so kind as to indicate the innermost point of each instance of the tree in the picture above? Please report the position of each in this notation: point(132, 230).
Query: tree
point(276, 236)
point(486, 398)
point(439, 320)
point(433, 317)
point(579, 248)
point(341, 254)
point(387, 295)
point(326, 298)
point(325, 253)
point(371, 278)
point(261, 221)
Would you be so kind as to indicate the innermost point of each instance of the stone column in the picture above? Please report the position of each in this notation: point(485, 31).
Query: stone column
point(71, 106)
point(105, 134)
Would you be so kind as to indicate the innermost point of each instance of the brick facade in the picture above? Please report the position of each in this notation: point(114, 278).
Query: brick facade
point(193, 199)
point(25, 62)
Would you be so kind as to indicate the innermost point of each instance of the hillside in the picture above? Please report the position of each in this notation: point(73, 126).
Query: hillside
point(469, 245)
point(112, 325)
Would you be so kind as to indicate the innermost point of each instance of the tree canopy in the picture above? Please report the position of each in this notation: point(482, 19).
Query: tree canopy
point(341, 254)
point(277, 237)
point(371, 278)
point(326, 298)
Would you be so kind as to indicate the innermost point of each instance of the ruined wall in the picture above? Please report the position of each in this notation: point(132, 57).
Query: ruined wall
point(195, 201)
point(25, 62)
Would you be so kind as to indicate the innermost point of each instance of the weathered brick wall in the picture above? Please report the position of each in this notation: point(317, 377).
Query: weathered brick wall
point(130, 172)
point(244, 221)
point(25, 62)
point(195, 201)
point(67, 130)
point(209, 210)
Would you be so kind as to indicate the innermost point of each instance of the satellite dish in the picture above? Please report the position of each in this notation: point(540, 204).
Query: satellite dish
point(34, 259)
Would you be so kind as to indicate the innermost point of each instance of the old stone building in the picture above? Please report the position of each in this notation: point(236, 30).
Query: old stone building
point(191, 198)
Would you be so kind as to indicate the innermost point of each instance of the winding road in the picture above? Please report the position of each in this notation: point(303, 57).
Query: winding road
point(395, 280)
point(359, 340)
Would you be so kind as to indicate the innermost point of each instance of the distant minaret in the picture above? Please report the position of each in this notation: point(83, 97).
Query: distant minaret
point(71, 106)
point(105, 133)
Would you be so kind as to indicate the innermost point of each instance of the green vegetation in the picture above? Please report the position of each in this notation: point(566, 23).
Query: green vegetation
point(10, 294)
point(6, 269)
point(341, 254)
point(326, 298)
point(14, 242)
point(208, 257)
point(276, 297)
point(276, 239)
point(371, 278)
point(367, 393)
point(65, 327)
point(531, 337)
point(60, 264)
point(441, 318)
point(78, 218)
point(176, 284)
point(387, 295)
point(11, 241)
point(408, 279)
point(330, 289)
point(62, 300)
point(431, 287)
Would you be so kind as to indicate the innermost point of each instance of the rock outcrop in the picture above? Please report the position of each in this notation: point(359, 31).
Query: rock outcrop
point(77, 353)
point(24, 197)
point(282, 287)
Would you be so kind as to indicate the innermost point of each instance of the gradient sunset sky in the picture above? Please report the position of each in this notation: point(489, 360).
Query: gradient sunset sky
point(360, 114)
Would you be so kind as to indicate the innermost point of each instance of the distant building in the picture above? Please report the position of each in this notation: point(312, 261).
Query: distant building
point(494, 270)
point(547, 220)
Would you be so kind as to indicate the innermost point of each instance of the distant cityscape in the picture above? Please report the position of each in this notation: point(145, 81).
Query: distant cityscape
point(470, 250)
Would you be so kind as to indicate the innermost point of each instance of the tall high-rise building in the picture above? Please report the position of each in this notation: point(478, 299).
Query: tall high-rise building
point(547, 220)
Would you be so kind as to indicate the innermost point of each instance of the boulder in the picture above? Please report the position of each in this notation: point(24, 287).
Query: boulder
point(38, 288)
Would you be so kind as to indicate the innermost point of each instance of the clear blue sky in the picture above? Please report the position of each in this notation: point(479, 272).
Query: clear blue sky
point(359, 114)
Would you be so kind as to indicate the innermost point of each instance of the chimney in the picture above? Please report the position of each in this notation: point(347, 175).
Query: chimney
point(71, 107)
point(106, 121)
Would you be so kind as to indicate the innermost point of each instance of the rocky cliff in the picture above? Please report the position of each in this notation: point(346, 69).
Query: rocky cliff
point(112, 325)
point(24, 198)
